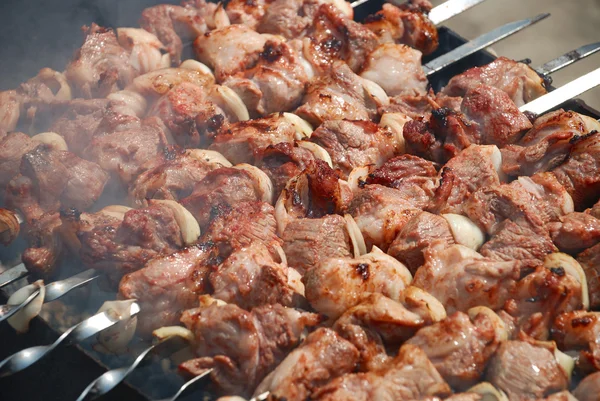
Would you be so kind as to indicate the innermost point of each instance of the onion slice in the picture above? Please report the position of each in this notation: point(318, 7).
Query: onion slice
point(464, 231)
point(358, 240)
point(190, 229)
point(302, 127)
point(116, 338)
point(20, 320)
point(52, 139)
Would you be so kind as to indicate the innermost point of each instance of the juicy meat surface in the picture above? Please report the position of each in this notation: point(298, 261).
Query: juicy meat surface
point(307, 242)
point(590, 262)
point(460, 347)
point(167, 285)
point(521, 83)
point(100, 66)
point(579, 331)
point(12, 148)
point(323, 356)
point(397, 69)
point(243, 347)
point(525, 371)
point(409, 376)
point(250, 277)
point(403, 169)
point(416, 235)
point(576, 232)
point(588, 388)
point(283, 161)
point(355, 143)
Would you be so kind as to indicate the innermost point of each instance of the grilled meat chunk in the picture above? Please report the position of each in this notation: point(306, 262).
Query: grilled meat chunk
point(404, 169)
point(256, 342)
point(282, 162)
point(588, 388)
point(579, 331)
point(590, 262)
point(525, 371)
point(12, 148)
point(519, 81)
point(323, 356)
point(576, 232)
point(167, 285)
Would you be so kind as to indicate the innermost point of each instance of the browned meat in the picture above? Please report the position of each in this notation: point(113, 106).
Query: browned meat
point(255, 342)
point(243, 141)
point(79, 121)
point(410, 376)
point(515, 242)
point(45, 245)
point(417, 106)
point(323, 356)
point(397, 69)
point(590, 262)
point(229, 50)
point(338, 94)
point(402, 170)
point(248, 13)
point(124, 152)
point(525, 371)
point(355, 143)
point(12, 148)
point(595, 210)
point(283, 161)
point(576, 232)
point(171, 175)
point(460, 278)
point(416, 235)
point(490, 206)
point(580, 174)
point(243, 224)
point(497, 118)
point(518, 80)
point(579, 331)
point(336, 284)
point(408, 25)
point(307, 242)
point(333, 36)
point(546, 145)
point(168, 285)
point(381, 212)
point(275, 82)
point(100, 66)
point(441, 136)
point(171, 24)
point(220, 189)
point(474, 168)
point(589, 388)
point(10, 109)
point(251, 277)
point(461, 345)
point(122, 247)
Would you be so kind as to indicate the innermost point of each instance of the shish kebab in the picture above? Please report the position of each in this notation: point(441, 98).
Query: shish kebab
point(581, 51)
point(459, 53)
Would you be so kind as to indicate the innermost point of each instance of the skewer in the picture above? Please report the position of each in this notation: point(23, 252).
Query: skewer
point(564, 93)
point(186, 385)
point(110, 379)
point(567, 59)
point(85, 329)
point(483, 41)
point(6, 311)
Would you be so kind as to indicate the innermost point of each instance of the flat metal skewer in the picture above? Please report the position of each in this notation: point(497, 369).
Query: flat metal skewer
point(567, 59)
point(85, 329)
point(483, 41)
point(186, 385)
point(6, 311)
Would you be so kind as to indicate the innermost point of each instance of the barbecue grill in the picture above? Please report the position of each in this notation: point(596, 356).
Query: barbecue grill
point(65, 373)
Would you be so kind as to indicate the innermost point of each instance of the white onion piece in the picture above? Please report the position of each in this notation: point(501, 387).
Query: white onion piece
point(281, 254)
point(345, 7)
point(464, 231)
point(395, 123)
point(116, 338)
point(20, 320)
point(165, 61)
point(574, 269)
point(377, 256)
point(52, 139)
point(116, 211)
point(317, 151)
point(172, 331)
point(265, 186)
point(488, 392)
point(195, 65)
point(302, 127)
point(415, 299)
point(591, 124)
point(221, 18)
point(566, 362)
point(57, 82)
point(282, 217)
point(496, 158)
point(135, 104)
point(129, 37)
point(358, 175)
point(358, 240)
point(376, 92)
point(295, 281)
point(211, 157)
point(232, 102)
point(190, 230)
point(206, 300)
point(499, 325)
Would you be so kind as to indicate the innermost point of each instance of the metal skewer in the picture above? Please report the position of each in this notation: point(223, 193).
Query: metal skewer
point(483, 41)
point(186, 385)
point(6, 311)
point(110, 379)
point(85, 329)
point(567, 59)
